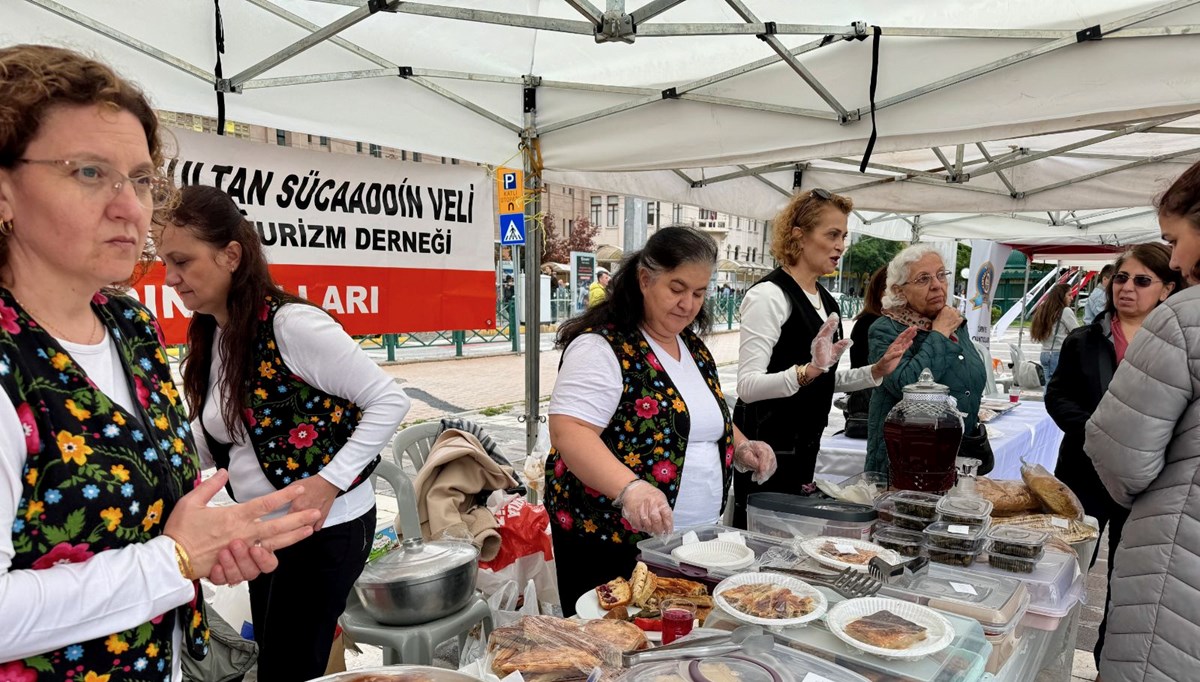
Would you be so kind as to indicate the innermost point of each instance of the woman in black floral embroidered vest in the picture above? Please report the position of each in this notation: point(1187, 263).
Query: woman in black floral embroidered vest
point(282, 396)
point(642, 438)
point(106, 530)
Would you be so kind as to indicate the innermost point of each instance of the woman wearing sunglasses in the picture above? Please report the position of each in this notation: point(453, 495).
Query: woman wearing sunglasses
point(1090, 355)
point(791, 341)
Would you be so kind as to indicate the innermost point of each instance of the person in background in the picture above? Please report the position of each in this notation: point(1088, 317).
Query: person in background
point(283, 397)
point(872, 310)
point(642, 440)
point(1144, 442)
point(1052, 321)
point(598, 291)
point(1090, 355)
point(791, 342)
point(106, 532)
point(916, 297)
point(1097, 301)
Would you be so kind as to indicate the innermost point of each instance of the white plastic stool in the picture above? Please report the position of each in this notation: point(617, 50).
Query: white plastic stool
point(413, 644)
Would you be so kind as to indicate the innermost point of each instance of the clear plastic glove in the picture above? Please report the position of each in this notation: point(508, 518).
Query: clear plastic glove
point(826, 353)
point(645, 508)
point(756, 456)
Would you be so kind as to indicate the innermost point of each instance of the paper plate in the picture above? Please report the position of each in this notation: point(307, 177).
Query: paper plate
point(939, 635)
point(587, 607)
point(812, 547)
point(720, 554)
point(794, 584)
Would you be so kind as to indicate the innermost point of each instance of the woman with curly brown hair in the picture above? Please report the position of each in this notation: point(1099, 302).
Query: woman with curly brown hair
point(791, 339)
point(105, 536)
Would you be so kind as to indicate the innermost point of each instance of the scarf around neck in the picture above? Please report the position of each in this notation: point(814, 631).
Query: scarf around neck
point(909, 317)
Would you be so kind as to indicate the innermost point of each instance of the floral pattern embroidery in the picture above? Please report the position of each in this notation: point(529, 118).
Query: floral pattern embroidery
point(648, 433)
point(90, 467)
point(294, 427)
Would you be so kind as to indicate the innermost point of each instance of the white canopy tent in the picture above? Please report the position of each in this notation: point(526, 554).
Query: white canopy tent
point(1010, 105)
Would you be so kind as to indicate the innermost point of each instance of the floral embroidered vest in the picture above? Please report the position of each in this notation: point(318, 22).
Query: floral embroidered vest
point(98, 477)
point(295, 428)
point(648, 433)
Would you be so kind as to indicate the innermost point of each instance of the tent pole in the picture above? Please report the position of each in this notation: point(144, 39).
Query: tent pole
point(1024, 305)
point(533, 256)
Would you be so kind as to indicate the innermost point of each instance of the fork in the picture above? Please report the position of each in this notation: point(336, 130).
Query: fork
point(849, 583)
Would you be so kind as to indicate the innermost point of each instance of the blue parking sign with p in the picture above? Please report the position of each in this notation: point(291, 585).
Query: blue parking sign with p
point(510, 181)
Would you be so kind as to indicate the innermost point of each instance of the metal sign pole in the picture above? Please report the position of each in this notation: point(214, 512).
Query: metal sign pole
point(533, 252)
point(1025, 306)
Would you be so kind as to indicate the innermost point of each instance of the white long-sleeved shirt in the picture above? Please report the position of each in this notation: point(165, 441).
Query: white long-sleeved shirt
point(114, 590)
point(323, 355)
point(764, 310)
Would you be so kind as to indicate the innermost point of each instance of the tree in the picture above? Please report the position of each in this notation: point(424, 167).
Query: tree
point(557, 248)
point(868, 254)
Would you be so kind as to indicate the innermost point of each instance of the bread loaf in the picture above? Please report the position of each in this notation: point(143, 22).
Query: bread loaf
point(1007, 497)
point(1054, 495)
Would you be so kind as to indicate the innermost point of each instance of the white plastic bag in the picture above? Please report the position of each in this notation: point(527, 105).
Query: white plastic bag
point(508, 605)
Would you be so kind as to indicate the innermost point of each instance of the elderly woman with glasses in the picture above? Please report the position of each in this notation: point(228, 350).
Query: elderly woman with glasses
point(916, 296)
point(791, 340)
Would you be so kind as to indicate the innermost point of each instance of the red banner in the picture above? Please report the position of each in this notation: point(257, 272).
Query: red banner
point(365, 300)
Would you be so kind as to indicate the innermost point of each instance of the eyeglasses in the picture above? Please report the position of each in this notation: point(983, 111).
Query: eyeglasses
point(926, 279)
point(821, 193)
point(151, 189)
point(1140, 281)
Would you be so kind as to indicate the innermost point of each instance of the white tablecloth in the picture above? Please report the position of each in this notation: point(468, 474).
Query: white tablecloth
point(1025, 431)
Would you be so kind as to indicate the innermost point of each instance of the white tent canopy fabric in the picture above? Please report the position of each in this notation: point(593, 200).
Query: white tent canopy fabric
point(759, 89)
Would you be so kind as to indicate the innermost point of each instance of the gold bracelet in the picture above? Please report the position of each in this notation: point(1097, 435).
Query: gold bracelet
point(802, 375)
point(185, 562)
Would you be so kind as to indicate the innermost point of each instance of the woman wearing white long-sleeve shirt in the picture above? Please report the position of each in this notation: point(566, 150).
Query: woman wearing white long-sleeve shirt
point(283, 396)
point(790, 340)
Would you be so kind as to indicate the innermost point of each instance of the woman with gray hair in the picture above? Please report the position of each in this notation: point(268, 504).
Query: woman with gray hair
point(915, 296)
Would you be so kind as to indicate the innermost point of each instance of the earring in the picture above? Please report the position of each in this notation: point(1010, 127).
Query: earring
point(6, 228)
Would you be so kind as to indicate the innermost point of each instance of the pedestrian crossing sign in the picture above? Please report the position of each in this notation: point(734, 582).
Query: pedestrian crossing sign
point(512, 229)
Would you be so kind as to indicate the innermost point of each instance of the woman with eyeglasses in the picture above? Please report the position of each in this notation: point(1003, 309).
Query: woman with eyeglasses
point(791, 341)
point(106, 529)
point(1090, 356)
point(1051, 323)
point(915, 298)
point(1144, 441)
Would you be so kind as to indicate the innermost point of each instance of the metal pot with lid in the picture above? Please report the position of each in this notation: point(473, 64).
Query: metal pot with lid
point(420, 581)
point(922, 434)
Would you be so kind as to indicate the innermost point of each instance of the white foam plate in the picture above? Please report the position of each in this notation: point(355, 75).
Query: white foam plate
point(587, 607)
point(719, 554)
point(794, 584)
point(812, 547)
point(939, 635)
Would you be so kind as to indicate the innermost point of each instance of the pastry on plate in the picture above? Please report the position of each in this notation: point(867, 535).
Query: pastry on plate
point(642, 584)
point(765, 600)
point(614, 593)
point(886, 630)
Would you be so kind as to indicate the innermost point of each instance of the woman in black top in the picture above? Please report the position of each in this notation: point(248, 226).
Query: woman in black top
point(872, 310)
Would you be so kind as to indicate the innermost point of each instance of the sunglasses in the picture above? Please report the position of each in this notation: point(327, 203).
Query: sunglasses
point(1140, 281)
point(821, 194)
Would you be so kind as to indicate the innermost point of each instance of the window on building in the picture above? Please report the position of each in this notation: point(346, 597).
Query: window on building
point(453, 162)
point(281, 138)
point(358, 147)
point(735, 252)
point(677, 213)
point(324, 141)
point(651, 212)
point(728, 250)
point(596, 210)
point(570, 228)
point(416, 156)
point(614, 207)
point(706, 214)
point(376, 151)
point(403, 155)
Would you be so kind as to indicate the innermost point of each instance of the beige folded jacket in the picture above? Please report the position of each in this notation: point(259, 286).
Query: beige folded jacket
point(457, 469)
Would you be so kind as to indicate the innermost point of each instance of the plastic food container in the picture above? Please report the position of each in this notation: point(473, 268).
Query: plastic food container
point(906, 543)
point(1018, 542)
point(951, 557)
point(1049, 618)
point(793, 516)
point(1050, 585)
point(918, 504)
point(1012, 564)
point(997, 603)
point(658, 552)
point(907, 522)
point(968, 510)
point(957, 536)
point(781, 664)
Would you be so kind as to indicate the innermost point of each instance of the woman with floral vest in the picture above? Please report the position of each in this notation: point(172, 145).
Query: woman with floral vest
point(283, 397)
point(106, 531)
point(642, 441)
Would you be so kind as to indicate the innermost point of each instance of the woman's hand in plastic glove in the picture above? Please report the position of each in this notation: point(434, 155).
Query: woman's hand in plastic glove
point(645, 508)
point(826, 353)
point(756, 456)
point(891, 358)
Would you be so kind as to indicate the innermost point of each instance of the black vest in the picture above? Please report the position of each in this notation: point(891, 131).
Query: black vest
point(792, 424)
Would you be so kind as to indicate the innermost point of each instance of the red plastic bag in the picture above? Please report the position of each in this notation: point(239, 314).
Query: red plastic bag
point(526, 551)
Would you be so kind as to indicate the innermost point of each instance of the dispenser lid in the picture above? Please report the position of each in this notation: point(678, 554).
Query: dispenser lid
point(926, 385)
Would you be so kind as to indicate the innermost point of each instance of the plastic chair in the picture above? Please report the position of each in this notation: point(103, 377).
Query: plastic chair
point(415, 441)
point(412, 644)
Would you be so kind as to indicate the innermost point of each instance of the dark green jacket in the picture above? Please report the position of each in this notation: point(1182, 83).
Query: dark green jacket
point(956, 364)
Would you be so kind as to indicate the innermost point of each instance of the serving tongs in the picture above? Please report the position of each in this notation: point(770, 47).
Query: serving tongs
point(901, 573)
point(748, 639)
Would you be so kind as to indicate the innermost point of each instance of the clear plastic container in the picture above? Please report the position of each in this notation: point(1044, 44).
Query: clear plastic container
point(950, 557)
point(907, 522)
point(1050, 585)
point(1018, 542)
point(906, 543)
point(1010, 563)
point(781, 663)
point(917, 504)
point(1049, 618)
point(962, 509)
point(998, 603)
point(960, 537)
point(793, 516)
